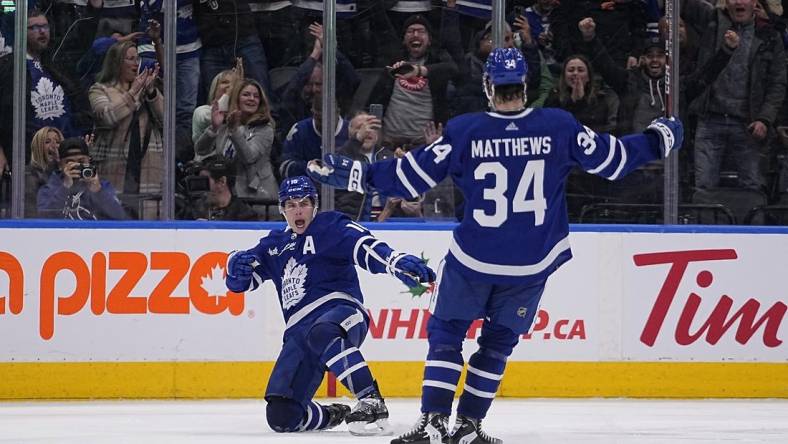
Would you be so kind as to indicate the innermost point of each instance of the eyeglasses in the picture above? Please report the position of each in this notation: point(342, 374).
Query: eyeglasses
point(132, 59)
point(38, 28)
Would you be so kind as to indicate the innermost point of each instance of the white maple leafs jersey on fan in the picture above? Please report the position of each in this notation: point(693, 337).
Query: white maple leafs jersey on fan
point(315, 270)
point(512, 170)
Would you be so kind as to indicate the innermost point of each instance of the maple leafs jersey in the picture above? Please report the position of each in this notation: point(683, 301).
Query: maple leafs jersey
point(49, 104)
point(316, 270)
point(512, 170)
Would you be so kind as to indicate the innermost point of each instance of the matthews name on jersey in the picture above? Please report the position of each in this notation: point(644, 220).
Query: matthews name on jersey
point(315, 270)
point(512, 169)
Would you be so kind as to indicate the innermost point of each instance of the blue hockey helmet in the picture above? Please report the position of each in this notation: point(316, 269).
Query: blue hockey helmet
point(297, 187)
point(506, 66)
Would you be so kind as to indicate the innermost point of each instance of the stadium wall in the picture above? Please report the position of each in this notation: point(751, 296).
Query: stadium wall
point(134, 310)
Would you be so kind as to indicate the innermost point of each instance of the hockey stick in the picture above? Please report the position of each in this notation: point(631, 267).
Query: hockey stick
point(670, 63)
point(671, 170)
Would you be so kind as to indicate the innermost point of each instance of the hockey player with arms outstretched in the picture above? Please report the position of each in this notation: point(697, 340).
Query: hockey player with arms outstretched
point(511, 165)
point(312, 265)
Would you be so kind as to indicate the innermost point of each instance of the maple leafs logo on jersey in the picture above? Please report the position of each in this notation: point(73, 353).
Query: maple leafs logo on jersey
point(293, 282)
point(47, 100)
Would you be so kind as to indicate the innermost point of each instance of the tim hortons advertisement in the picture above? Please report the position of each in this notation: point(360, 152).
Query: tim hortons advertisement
point(159, 295)
point(710, 297)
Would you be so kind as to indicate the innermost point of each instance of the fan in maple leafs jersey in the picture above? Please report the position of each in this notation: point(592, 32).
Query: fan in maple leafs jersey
point(312, 264)
point(511, 165)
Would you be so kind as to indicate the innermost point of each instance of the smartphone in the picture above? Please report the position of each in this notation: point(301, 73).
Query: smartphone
point(402, 69)
point(224, 102)
point(376, 109)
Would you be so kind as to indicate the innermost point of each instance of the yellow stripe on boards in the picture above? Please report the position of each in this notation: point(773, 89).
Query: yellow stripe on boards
point(108, 380)
point(608, 379)
point(646, 379)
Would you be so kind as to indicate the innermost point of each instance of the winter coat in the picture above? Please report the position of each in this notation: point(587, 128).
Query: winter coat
point(252, 157)
point(767, 80)
point(114, 110)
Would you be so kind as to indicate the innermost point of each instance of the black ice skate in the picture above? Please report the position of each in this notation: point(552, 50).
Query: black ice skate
point(336, 414)
point(432, 428)
point(469, 431)
point(369, 416)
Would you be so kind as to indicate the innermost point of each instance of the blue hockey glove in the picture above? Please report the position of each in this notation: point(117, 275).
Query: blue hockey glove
point(412, 271)
point(670, 132)
point(239, 266)
point(339, 172)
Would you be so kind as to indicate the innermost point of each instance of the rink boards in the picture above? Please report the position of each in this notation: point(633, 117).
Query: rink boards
point(141, 311)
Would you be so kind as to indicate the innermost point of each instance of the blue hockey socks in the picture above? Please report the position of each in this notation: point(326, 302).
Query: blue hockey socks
point(348, 365)
point(344, 359)
point(444, 364)
point(442, 371)
point(317, 417)
point(485, 370)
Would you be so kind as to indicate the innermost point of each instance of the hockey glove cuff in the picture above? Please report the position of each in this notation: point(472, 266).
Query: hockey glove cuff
point(670, 132)
point(339, 172)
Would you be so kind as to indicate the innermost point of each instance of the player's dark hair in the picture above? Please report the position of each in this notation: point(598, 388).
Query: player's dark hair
point(311, 199)
point(507, 93)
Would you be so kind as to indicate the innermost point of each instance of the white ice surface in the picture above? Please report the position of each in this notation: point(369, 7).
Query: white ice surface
point(515, 421)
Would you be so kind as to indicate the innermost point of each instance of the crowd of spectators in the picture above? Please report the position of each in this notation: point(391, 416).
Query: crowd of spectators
point(249, 88)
